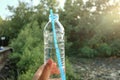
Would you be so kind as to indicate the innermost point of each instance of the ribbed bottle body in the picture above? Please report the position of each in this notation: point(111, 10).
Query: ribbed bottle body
point(49, 48)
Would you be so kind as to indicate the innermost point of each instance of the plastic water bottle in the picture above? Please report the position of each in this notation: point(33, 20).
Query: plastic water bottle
point(49, 48)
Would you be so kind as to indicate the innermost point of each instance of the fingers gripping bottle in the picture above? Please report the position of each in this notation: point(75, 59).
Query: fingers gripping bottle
point(49, 48)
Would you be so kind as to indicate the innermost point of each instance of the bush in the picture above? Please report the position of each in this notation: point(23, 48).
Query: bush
point(115, 45)
point(28, 49)
point(70, 75)
point(87, 52)
point(104, 49)
point(31, 63)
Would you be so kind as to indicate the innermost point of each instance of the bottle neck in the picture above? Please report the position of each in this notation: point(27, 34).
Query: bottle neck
point(54, 20)
point(55, 17)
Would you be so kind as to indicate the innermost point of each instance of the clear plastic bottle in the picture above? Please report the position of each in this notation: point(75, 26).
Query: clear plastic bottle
point(49, 49)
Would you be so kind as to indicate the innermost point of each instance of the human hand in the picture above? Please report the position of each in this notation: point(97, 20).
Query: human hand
point(44, 72)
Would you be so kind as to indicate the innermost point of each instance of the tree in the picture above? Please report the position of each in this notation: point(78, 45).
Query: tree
point(90, 24)
point(21, 16)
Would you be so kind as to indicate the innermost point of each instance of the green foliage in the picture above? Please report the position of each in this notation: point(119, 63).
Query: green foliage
point(87, 52)
point(31, 63)
point(1, 20)
point(85, 27)
point(29, 49)
point(104, 49)
point(70, 75)
point(21, 16)
point(115, 45)
point(28, 75)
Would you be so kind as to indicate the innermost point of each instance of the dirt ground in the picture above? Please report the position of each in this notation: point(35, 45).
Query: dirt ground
point(97, 68)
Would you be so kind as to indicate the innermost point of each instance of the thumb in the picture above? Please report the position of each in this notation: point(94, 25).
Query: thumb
point(47, 70)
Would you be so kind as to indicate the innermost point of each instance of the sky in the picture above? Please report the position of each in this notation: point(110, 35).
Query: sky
point(3, 7)
point(4, 12)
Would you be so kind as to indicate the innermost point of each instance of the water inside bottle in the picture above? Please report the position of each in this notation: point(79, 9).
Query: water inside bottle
point(49, 49)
